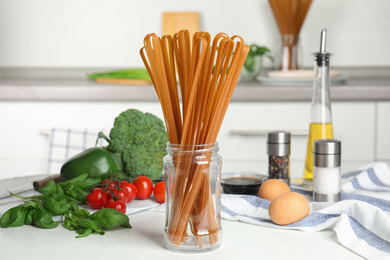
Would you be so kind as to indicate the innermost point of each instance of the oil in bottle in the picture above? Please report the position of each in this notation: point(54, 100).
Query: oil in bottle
point(316, 131)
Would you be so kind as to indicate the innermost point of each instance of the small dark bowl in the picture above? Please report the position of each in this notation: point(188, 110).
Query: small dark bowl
point(247, 183)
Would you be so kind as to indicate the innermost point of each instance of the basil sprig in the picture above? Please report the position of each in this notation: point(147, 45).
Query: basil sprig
point(63, 199)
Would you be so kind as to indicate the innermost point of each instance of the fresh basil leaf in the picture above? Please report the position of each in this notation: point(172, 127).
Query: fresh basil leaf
point(66, 185)
point(76, 188)
point(44, 219)
point(81, 196)
point(59, 194)
point(78, 179)
point(56, 207)
point(70, 224)
point(88, 223)
point(48, 189)
point(89, 182)
point(83, 232)
point(76, 196)
point(80, 214)
point(110, 218)
point(29, 217)
point(31, 204)
point(73, 206)
point(14, 217)
point(71, 200)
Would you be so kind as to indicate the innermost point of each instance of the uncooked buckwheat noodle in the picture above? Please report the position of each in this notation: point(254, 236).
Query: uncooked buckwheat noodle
point(207, 71)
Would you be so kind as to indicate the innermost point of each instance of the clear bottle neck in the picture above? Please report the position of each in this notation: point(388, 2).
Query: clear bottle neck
point(321, 105)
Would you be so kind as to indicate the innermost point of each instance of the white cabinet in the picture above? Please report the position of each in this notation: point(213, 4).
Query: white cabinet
point(363, 128)
point(383, 138)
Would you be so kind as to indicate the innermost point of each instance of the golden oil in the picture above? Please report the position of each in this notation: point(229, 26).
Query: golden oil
point(316, 131)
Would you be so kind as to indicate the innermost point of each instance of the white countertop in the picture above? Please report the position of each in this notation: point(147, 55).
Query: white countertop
point(145, 241)
point(84, 90)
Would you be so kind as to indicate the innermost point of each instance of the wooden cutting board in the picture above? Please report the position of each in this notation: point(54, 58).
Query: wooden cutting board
point(172, 22)
point(138, 82)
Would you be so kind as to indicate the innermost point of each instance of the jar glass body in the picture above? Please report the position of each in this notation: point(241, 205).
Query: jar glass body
point(193, 197)
point(288, 52)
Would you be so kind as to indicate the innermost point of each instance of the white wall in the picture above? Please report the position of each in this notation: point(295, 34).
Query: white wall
point(109, 33)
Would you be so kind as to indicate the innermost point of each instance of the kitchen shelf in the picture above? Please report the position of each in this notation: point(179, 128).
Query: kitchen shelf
point(84, 90)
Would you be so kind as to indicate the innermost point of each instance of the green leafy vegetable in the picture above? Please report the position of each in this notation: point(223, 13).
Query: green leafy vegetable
point(44, 219)
point(83, 232)
point(84, 223)
point(56, 207)
point(76, 189)
point(122, 74)
point(254, 51)
point(91, 224)
point(110, 218)
point(62, 199)
point(70, 224)
point(15, 217)
point(29, 218)
point(81, 214)
point(48, 189)
point(137, 144)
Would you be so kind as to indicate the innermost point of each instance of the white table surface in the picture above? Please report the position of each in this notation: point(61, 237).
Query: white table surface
point(145, 240)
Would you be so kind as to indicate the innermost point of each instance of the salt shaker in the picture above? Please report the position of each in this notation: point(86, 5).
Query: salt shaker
point(278, 146)
point(326, 177)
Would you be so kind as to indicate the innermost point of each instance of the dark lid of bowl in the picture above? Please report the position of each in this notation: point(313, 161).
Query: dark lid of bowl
point(243, 178)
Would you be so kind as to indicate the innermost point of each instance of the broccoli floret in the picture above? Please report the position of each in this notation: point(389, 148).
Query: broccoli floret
point(138, 144)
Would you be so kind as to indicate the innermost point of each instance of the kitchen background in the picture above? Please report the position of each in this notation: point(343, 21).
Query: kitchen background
point(65, 39)
point(109, 33)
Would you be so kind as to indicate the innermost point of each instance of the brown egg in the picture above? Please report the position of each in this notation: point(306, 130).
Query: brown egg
point(288, 208)
point(272, 188)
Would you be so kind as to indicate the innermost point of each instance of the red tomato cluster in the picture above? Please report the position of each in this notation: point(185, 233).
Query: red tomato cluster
point(116, 194)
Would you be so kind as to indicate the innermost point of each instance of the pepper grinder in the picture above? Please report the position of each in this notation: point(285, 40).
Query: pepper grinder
point(278, 146)
point(326, 178)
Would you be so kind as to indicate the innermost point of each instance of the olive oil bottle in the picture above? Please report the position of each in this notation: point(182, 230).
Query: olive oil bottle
point(321, 126)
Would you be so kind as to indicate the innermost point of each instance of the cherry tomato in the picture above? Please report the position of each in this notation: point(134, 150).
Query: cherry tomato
point(159, 192)
point(144, 186)
point(97, 198)
point(116, 194)
point(116, 204)
point(131, 190)
point(109, 184)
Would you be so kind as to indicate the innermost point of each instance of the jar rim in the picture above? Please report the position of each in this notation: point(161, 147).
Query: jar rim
point(192, 147)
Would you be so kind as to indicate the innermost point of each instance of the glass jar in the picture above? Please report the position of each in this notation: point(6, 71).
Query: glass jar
point(193, 197)
point(288, 48)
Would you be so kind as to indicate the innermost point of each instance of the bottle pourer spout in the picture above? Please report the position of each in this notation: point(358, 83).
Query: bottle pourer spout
point(323, 41)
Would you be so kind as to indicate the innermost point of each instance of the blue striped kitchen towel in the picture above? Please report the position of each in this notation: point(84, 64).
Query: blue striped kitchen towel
point(66, 143)
point(361, 220)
